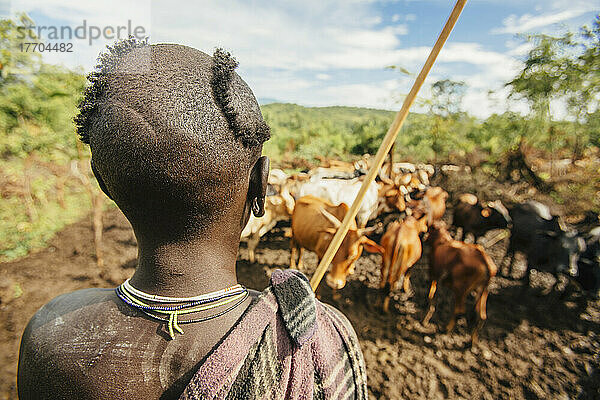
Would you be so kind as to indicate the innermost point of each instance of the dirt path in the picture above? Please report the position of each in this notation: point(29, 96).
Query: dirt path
point(532, 346)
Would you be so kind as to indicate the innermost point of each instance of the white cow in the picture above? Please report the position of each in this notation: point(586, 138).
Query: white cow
point(277, 177)
point(277, 208)
point(339, 191)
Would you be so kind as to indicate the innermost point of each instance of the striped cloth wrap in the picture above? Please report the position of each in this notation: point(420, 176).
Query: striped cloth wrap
point(287, 345)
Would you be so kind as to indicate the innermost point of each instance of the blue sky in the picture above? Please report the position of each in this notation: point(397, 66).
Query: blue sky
point(335, 52)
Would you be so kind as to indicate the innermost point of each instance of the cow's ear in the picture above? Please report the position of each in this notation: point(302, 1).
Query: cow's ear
point(486, 212)
point(371, 246)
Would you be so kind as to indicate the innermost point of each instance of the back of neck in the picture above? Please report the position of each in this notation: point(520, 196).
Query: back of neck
point(186, 268)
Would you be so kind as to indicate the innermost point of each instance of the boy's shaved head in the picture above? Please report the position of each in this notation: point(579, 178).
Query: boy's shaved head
point(174, 133)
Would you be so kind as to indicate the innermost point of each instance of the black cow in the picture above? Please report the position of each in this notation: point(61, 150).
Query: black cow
point(476, 219)
point(529, 220)
point(588, 265)
point(546, 245)
point(554, 252)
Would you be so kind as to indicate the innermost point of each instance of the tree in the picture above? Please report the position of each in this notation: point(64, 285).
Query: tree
point(445, 106)
point(565, 67)
point(37, 100)
point(447, 97)
point(13, 61)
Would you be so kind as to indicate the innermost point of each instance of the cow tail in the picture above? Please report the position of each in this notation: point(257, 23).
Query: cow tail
point(396, 258)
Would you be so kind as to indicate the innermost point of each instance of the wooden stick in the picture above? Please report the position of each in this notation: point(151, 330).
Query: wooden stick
point(389, 138)
point(392, 177)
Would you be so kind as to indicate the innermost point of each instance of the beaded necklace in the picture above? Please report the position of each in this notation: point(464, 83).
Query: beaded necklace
point(181, 305)
point(164, 299)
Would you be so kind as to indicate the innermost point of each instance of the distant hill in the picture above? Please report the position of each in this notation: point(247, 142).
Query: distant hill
point(266, 100)
point(329, 111)
point(336, 131)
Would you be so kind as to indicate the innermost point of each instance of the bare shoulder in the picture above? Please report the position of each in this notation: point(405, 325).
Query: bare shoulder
point(90, 345)
point(77, 306)
point(62, 326)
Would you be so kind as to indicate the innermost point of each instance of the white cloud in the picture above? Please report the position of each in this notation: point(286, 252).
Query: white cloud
point(374, 95)
point(73, 14)
point(295, 35)
point(526, 23)
point(320, 36)
point(497, 66)
point(518, 50)
point(405, 17)
point(296, 51)
point(482, 103)
point(491, 71)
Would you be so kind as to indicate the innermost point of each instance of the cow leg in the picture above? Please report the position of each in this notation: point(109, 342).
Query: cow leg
point(527, 277)
point(252, 245)
point(300, 253)
point(480, 308)
point(392, 279)
point(431, 309)
point(460, 296)
point(385, 284)
point(386, 300)
point(293, 251)
point(510, 254)
point(335, 293)
point(385, 269)
point(406, 283)
point(397, 270)
point(393, 271)
point(511, 264)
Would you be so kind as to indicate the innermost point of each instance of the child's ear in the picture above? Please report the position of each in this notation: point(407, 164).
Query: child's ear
point(257, 191)
point(99, 179)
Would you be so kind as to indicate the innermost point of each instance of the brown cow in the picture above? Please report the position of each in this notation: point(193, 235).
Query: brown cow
point(465, 267)
point(391, 199)
point(314, 223)
point(402, 250)
point(433, 205)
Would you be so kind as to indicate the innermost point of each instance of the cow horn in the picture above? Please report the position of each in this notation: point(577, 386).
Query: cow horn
point(332, 218)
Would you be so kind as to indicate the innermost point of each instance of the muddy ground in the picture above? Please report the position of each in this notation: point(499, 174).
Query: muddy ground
point(532, 346)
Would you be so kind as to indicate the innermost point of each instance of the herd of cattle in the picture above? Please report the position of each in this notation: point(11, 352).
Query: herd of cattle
point(316, 201)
